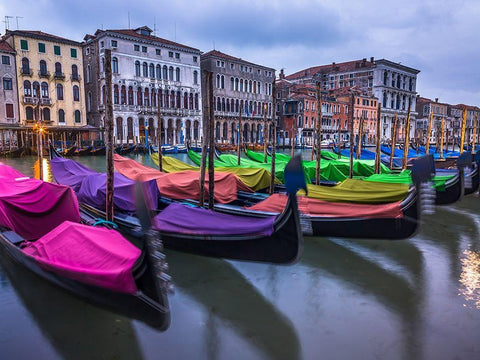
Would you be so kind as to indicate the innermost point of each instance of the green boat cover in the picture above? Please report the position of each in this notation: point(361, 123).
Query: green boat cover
point(358, 191)
point(254, 178)
point(405, 178)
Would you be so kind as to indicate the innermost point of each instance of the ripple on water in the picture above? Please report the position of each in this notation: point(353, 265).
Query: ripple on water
point(470, 278)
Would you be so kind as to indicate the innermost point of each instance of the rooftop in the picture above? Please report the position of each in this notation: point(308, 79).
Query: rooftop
point(41, 35)
point(219, 54)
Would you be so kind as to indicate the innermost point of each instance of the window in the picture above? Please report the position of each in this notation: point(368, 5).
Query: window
point(115, 65)
point(113, 43)
point(195, 59)
point(27, 88)
point(170, 54)
point(158, 71)
point(58, 68)
point(137, 68)
point(24, 45)
point(89, 101)
point(116, 94)
point(25, 66)
point(89, 73)
point(177, 55)
point(87, 51)
point(165, 72)
point(195, 77)
point(76, 93)
point(77, 116)
point(144, 49)
point(41, 47)
point(36, 89)
point(56, 50)
point(152, 71)
point(341, 77)
point(46, 114)
point(43, 67)
point(61, 116)
point(59, 92)
point(29, 113)
point(9, 110)
point(101, 44)
point(7, 83)
point(5, 60)
point(123, 95)
point(44, 88)
point(145, 69)
point(177, 74)
point(170, 73)
point(73, 53)
point(136, 47)
point(158, 52)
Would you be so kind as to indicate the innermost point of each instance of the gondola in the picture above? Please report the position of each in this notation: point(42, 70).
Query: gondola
point(268, 238)
point(124, 149)
point(69, 151)
point(98, 151)
point(135, 291)
point(82, 151)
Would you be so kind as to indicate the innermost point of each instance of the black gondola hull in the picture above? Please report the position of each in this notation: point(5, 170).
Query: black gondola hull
point(453, 191)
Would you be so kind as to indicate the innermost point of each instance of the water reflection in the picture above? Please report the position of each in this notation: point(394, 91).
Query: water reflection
point(74, 328)
point(229, 297)
point(470, 277)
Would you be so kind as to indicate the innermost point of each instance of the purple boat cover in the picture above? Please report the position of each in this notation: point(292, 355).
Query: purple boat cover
point(31, 207)
point(95, 256)
point(178, 218)
point(91, 186)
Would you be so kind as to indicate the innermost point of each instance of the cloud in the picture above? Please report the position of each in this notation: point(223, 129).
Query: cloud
point(438, 37)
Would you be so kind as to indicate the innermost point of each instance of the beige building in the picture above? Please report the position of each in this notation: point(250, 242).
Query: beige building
point(50, 88)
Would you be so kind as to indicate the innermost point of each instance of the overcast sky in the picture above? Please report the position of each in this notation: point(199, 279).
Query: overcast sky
point(441, 38)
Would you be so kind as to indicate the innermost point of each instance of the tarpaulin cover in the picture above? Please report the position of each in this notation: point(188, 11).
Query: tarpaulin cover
point(358, 191)
point(314, 207)
point(91, 187)
point(95, 256)
point(184, 184)
point(399, 152)
point(7, 172)
point(183, 219)
point(405, 178)
point(31, 207)
point(254, 178)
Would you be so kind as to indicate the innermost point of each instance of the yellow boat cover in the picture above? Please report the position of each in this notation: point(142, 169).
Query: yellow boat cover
point(358, 191)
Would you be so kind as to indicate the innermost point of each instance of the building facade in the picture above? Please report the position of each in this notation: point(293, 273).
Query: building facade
point(9, 114)
point(243, 86)
point(50, 87)
point(155, 85)
point(393, 84)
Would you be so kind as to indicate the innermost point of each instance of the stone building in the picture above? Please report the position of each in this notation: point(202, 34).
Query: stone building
point(153, 78)
point(9, 113)
point(393, 84)
point(50, 86)
point(239, 85)
point(440, 112)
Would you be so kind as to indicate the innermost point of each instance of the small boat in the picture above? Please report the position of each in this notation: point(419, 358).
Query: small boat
point(69, 151)
point(98, 151)
point(266, 238)
point(82, 151)
point(124, 149)
point(95, 263)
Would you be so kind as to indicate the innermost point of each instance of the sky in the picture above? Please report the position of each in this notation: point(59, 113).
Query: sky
point(441, 38)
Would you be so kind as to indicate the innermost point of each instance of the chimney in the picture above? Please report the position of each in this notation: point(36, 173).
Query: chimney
point(333, 65)
point(436, 100)
point(282, 74)
point(371, 59)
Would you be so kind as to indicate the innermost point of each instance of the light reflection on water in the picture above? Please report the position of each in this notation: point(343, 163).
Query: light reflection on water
point(470, 277)
point(344, 299)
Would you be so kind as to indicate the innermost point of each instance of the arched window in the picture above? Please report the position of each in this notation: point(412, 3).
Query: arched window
point(159, 71)
point(177, 74)
point(223, 104)
point(46, 114)
point(139, 97)
point(59, 92)
point(115, 94)
point(178, 103)
point(102, 65)
point(36, 89)
point(228, 105)
point(25, 66)
point(29, 113)
point(232, 83)
point(43, 67)
point(165, 72)
point(130, 95)
point(61, 116)
point(44, 89)
point(89, 101)
point(219, 104)
point(58, 69)
point(170, 73)
point(250, 86)
point(185, 101)
point(77, 116)
point(89, 73)
point(145, 69)
point(76, 93)
point(190, 106)
point(236, 84)
point(74, 72)
point(27, 88)
point(153, 98)
point(222, 82)
point(217, 82)
point(241, 84)
point(160, 98)
point(123, 95)
point(146, 98)
point(137, 68)
point(114, 65)
point(195, 77)
point(196, 101)
point(152, 71)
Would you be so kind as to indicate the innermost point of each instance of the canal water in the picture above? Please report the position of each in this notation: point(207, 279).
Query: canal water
point(411, 299)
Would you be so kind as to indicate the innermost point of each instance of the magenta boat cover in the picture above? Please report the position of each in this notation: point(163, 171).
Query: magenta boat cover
point(31, 207)
point(7, 172)
point(183, 219)
point(91, 186)
point(95, 256)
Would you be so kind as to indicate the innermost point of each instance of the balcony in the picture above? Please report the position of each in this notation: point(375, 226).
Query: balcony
point(46, 101)
point(29, 100)
point(44, 74)
point(75, 77)
point(59, 75)
point(26, 71)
